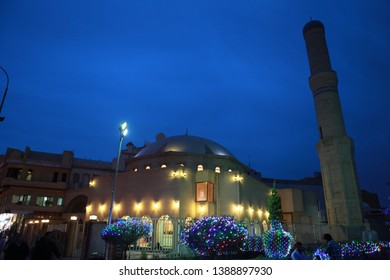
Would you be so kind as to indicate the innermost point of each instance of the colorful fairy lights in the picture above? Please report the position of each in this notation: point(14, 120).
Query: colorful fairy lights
point(276, 241)
point(215, 236)
point(127, 231)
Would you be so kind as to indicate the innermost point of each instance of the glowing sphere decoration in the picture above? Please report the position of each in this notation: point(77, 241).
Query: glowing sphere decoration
point(254, 244)
point(277, 242)
point(320, 255)
point(127, 231)
point(215, 236)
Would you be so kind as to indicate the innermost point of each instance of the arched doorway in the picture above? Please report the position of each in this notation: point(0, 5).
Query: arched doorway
point(77, 204)
point(145, 243)
point(164, 233)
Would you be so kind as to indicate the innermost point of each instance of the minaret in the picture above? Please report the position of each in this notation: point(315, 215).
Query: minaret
point(335, 148)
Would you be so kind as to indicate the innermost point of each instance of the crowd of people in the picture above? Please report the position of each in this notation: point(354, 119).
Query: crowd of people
point(330, 248)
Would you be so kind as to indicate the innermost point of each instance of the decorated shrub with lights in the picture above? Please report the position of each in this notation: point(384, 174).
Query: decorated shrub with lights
point(276, 242)
point(127, 231)
point(357, 249)
point(215, 236)
point(354, 249)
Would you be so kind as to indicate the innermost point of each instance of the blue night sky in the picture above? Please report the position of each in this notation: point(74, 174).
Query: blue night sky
point(235, 72)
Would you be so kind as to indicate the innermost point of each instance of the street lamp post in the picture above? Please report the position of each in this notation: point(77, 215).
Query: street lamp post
point(5, 93)
point(123, 132)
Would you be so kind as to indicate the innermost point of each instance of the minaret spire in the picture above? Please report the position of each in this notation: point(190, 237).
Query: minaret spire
point(335, 148)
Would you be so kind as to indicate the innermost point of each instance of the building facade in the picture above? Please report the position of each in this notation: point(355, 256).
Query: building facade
point(171, 182)
point(34, 187)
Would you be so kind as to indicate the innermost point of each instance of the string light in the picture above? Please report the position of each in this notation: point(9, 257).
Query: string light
point(354, 249)
point(215, 236)
point(357, 249)
point(276, 241)
point(127, 231)
point(254, 244)
point(320, 255)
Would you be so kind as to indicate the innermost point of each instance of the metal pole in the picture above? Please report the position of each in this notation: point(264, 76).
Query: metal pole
point(113, 191)
point(5, 93)
point(115, 181)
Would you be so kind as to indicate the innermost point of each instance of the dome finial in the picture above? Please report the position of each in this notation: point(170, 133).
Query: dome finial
point(160, 136)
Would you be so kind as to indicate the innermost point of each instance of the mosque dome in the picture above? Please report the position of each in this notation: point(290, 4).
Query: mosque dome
point(183, 144)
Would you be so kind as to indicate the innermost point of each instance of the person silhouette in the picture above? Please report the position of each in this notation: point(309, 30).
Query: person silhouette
point(16, 249)
point(299, 252)
point(45, 249)
point(332, 248)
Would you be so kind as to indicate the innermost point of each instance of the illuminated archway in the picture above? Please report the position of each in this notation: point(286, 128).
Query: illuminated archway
point(164, 233)
point(143, 243)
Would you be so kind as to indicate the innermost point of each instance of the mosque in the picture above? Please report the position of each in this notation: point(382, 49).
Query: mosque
point(171, 182)
point(177, 179)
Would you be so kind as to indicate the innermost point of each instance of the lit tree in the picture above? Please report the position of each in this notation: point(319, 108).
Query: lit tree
point(215, 236)
point(274, 206)
point(276, 241)
point(124, 232)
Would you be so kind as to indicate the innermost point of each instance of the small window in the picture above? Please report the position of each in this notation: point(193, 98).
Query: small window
point(163, 165)
point(63, 178)
point(200, 167)
point(217, 169)
point(60, 201)
point(45, 201)
point(147, 167)
point(21, 199)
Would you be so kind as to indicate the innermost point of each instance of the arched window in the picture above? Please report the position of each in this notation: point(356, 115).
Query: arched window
point(200, 167)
